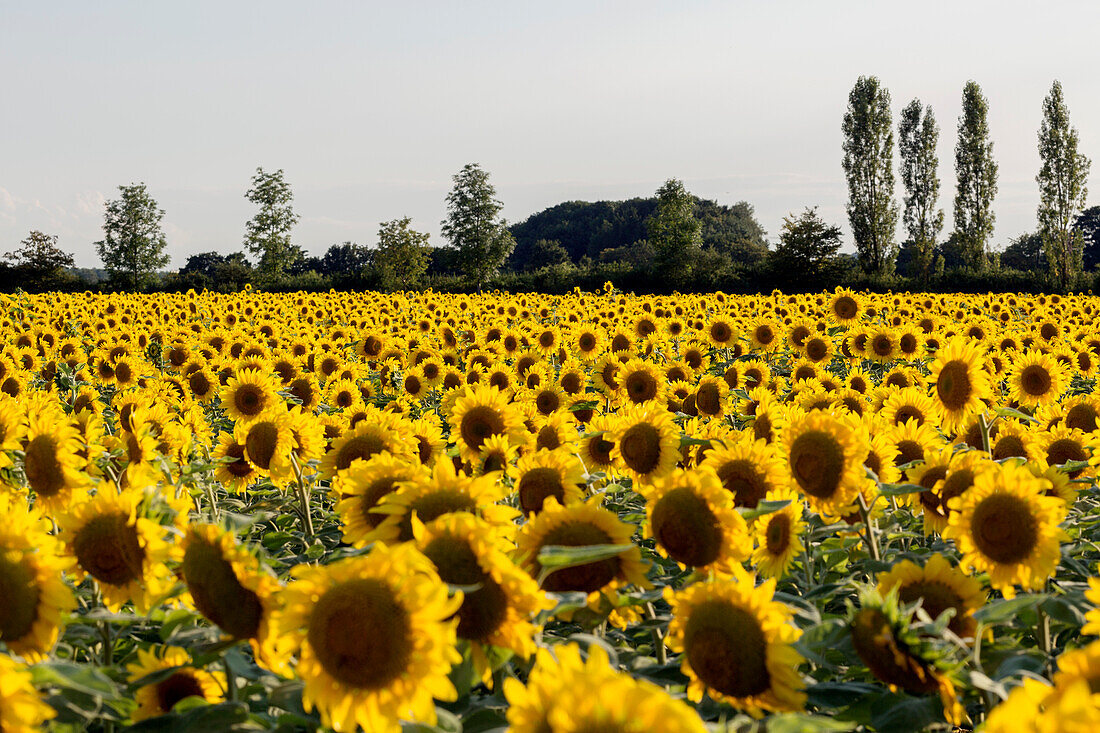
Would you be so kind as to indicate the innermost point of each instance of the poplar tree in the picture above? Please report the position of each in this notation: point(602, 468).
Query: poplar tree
point(976, 179)
point(1062, 189)
point(918, 135)
point(869, 168)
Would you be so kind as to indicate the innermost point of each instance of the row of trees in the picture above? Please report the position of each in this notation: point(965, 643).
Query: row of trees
point(873, 210)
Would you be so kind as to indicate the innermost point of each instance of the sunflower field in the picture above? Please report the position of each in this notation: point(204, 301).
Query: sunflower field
point(597, 512)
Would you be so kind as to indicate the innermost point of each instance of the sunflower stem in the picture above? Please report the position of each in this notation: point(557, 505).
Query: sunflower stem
point(230, 681)
point(303, 498)
point(1042, 631)
point(872, 541)
point(108, 646)
point(985, 433)
point(658, 637)
point(208, 489)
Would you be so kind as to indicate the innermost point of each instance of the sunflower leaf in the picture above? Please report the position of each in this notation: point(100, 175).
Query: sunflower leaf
point(900, 489)
point(556, 557)
point(762, 508)
point(1003, 610)
point(1009, 412)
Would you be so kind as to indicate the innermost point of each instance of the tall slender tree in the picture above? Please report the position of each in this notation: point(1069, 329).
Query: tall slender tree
point(133, 244)
point(869, 168)
point(918, 135)
point(674, 232)
point(267, 234)
point(1062, 189)
point(976, 179)
point(479, 238)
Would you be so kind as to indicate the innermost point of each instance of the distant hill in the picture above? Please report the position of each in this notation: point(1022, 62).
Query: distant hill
point(589, 228)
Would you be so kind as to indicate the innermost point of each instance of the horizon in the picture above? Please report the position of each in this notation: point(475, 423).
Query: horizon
point(572, 102)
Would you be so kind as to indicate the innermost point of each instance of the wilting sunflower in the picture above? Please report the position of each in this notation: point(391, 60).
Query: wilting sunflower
point(568, 694)
point(825, 455)
point(121, 549)
point(1036, 378)
point(1006, 525)
point(747, 469)
point(35, 596)
point(482, 412)
point(51, 460)
point(778, 535)
point(693, 520)
point(546, 473)
point(230, 588)
point(21, 708)
point(158, 698)
point(581, 525)
point(736, 643)
point(499, 600)
point(379, 431)
point(248, 394)
point(447, 490)
point(376, 638)
point(939, 587)
point(646, 442)
point(897, 655)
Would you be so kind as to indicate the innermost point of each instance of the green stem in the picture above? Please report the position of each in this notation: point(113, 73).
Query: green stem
point(303, 498)
point(872, 541)
point(230, 682)
point(658, 637)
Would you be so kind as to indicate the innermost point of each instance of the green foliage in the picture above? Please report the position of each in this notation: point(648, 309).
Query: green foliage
point(807, 247)
point(674, 233)
point(402, 256)
point(1088, 224)
point(481, 239)
point(1062, 180)
point(133, 245)
point(39, 265)
point(214, 271)
point(267, 234)
point(976, 179)
point(869, 168)
point(917, 139)
point(1024, 252)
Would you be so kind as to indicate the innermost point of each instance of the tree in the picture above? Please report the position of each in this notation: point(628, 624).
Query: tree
point(38, 263)
point(481, 240)
point(403, 255)
point(918, 136)
point(674, 233)
point(1024, 252)
point(346, 263)
point(807, 248)
point(544, 253)
point(1062, 180)
point(267, 234)
point(1088, 224)
point(215, 271)
point(976, 179)
point(132, 248)
point(869, 168)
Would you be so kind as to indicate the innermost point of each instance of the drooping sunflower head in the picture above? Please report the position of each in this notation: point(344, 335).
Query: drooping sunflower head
point(825, 455)
point(546, 473)
point(267, 441)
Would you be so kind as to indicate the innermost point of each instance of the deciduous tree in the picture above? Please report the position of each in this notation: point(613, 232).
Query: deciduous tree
point(267, 234)
point(480, 238)
point(674, 233)
point(133, 245)
point(869, 168)
point(403, 255)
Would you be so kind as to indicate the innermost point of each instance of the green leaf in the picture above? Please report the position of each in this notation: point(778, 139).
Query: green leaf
point(78, 677)
point(900, 489)
point(762, 508)
point(1000, 611)
point(1009, 412)
point(556, 557)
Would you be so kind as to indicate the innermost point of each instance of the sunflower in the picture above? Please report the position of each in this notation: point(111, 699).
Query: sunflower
point(233, 470)
point(1014, 440)
point(1036, 379)
point(230, 588)
point(911, 403)
point(1006, 525)
point(939, 587)
point(267, 441)
point(910, 440)
point(712, 397)
point(21, 708)
point(646, 442)
point(499, 599)
point(845, 307)
point(36, 597)
point(379, 431)
point(1082, 412)
point(552, 432)
point(737, 644)
point(767, 416)
point(1061, 445)
point(595, 447)
point(692, 518)
point(747, 469)
point(447, 490)
point(376, 638)
point(158, 698)
point(364, 485)
point(930, 474)
point(580, 525)
point(482, 412)
point(587, 343)
point(778, 535)
point(51, 460)
point(640, 383)
point(120, 548)
point(248, 394)
point(546, 473)
point(567, 694)
point(825, 455)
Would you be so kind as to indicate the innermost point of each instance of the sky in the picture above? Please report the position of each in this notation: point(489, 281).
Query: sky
point(371, 107)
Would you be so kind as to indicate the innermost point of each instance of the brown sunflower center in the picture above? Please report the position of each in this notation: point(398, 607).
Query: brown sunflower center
point(640, 386)
point(1009, 446)
point(599, 450)
point(887, 657)
point(908, 412)
point(20, 592)
point(1065, 450)
point(571, 383)
point(536, 486)
point(741, 479)
point(302, 390)
point(42, 467)
point(1004, 528)
point(845, 308)
point(708, 399)
point(359, 446)
point(200, 384)
point(936, 598)
point(1035, 380)
point(586, 578)
point(434, 505)
point(238, 467)
point(261, 442)
point(108, 549)
point(479, 423)
point(547, 401)
point(727, 649)
point(250, 399)
point(720, 332)
point(777, 537)
point(179, 686)
point(816, 350)
point(483, 609)
point(586, 341)
point(1082, 416)
point(641, 448)
point(218, 593)
point(817, 463)
point(686, 527)
point(882, 345)
point(547, 438)
point(361, 634)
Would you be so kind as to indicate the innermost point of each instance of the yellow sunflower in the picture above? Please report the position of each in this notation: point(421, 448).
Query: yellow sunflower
point(158, 698)
point(546, 473)
point(939, 587)
point(1036, 379)
point(737, 644)
point(646, 442)
point(375, 636)
point(379, 431)
point(778, 535)
point(825, 455)
point(248, 394)
point(639, 383)
point(845, 307)
point(482, 412)
point(747, 469)
point(21, 707)
point(51, 460)
point(233, 471)
point(1007, 526)
point(693, 520)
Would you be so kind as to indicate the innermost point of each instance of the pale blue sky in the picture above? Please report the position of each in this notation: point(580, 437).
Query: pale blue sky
point(371, 107)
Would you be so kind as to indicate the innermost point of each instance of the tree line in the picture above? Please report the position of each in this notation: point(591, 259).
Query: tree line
point(672, 240)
